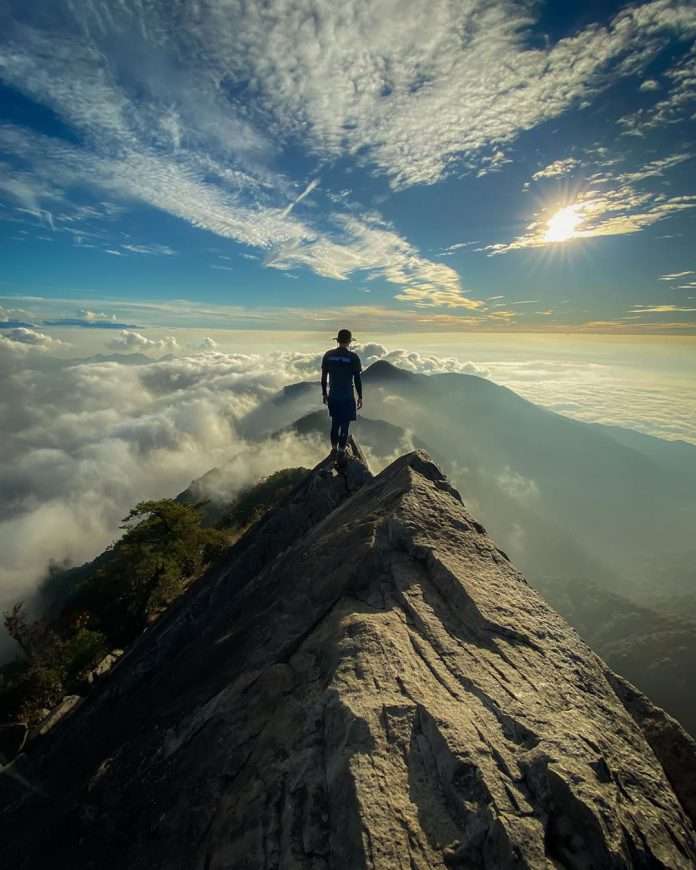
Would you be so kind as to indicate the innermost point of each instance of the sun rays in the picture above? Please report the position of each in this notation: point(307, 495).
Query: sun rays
point(562, 225)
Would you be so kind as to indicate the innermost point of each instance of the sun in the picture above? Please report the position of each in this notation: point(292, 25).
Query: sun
point(562, 225)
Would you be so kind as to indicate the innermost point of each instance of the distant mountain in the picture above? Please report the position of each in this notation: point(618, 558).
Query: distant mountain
point(382, 440)
point(533, 475)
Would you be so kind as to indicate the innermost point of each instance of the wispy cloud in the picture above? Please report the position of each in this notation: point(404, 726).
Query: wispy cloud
point(675, 276)
point(611, 204)
point(372, 246)
point(660, 309)
point(459, 246)
point(557, 168)
point(354, 245)
point(679, 105)
point(160, 250)
point(414, 93)
point(189, 112)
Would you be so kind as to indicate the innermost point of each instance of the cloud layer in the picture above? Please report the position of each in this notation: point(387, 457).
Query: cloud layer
point(82, 443)
point(190, 108)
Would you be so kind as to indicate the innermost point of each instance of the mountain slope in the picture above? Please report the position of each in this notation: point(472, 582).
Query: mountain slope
point(365, 681)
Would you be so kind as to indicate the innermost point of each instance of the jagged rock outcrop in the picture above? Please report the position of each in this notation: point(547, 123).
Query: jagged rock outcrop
point(364, 682)
point(673, 746)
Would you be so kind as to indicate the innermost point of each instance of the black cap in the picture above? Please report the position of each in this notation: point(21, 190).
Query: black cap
point(344, 336)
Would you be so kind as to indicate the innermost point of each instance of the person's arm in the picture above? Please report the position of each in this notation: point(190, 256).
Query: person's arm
point(324, 373)
point(357, 368)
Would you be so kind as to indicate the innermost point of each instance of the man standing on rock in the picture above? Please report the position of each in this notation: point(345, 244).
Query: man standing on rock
point(342, 368)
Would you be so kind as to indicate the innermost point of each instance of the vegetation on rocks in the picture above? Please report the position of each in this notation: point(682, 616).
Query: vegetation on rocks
point(107, 603)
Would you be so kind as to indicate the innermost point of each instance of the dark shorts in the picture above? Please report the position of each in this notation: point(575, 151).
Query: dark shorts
point(342, 410)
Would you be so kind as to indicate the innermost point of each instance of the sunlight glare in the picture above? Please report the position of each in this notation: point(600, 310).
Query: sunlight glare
point(562, 225)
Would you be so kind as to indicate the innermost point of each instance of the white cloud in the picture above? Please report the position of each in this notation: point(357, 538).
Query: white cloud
point(372, 246)
point(7, 314)
point(162, 250)
point(451, 249)
point(356, 244)
point(95, 316)
point(675, 276)
point(25, 336)
point(660, 309)
point(557, 168)
point(649, 85)
point(614, 392)
point(414, 361)
point(611, 204)
point(104, 436)
point(679, 105)
point(414, 92)
point(411, 94)
point(208, 343)
point(129, 340)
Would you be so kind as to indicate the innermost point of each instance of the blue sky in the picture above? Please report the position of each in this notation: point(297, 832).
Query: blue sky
point(410, 164)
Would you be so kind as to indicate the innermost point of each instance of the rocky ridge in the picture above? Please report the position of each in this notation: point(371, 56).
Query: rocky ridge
point(364, 681)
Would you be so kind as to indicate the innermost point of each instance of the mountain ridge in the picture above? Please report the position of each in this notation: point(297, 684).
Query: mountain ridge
point(364, 681)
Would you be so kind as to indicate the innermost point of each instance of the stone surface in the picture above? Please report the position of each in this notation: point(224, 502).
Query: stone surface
point(104, 666)
point(673, 746)
point(60, 711)
point(364, 682)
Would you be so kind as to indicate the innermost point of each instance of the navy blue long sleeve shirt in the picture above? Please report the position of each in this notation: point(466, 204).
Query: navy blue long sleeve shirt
point(342, 368)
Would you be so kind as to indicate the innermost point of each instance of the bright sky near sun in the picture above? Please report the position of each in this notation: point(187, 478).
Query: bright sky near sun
point(400, 164)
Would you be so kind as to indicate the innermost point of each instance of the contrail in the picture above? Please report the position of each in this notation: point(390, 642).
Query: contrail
point(310, 187)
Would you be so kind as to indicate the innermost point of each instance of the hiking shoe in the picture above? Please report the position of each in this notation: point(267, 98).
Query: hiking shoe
point(341, 456)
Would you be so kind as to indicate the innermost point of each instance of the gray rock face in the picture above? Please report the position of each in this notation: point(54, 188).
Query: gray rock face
point(366, 682)
point(675, 749)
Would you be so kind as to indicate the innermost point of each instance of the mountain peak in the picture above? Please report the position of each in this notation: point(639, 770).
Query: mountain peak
point(383, 370)
point(364, 681)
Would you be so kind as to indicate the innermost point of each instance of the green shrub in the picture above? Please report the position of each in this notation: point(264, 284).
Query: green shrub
point(254, 502)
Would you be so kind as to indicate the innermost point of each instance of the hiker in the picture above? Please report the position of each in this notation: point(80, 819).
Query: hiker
point(341, 367)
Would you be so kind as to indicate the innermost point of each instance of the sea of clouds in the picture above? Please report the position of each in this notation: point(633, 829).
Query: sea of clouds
point(84, 441)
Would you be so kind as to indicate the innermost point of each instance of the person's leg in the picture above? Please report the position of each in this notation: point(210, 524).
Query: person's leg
point(334, 432)
point(343, 434)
